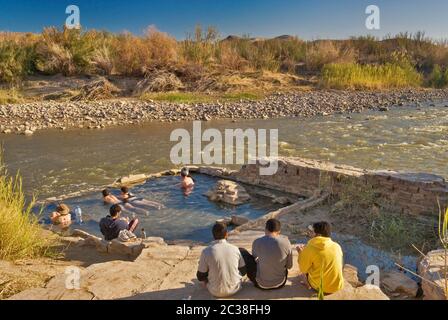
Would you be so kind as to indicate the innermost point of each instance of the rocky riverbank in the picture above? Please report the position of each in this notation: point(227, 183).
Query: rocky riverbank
point(30, 117)
point(168, 272)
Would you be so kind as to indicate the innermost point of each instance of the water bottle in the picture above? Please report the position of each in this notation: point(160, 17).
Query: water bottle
point(78, 215)
point(143, 234)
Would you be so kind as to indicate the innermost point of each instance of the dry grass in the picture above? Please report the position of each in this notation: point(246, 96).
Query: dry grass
point(194, 98)
point(10, 96)
point(21, 236)
point(372, 61)
point(322, 53)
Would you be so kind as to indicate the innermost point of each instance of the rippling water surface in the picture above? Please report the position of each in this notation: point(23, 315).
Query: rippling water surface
point(184, 217)
point(57, 162)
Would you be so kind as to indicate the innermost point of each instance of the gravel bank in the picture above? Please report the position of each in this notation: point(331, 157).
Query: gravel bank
point(30, 117)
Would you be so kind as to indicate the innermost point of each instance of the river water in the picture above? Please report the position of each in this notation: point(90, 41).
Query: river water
point(57, 162)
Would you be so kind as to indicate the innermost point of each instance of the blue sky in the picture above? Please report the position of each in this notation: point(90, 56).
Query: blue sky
point(308, 19)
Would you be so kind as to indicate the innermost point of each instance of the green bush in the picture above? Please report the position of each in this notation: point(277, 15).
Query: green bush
point(439, 77)
point(16, 61)
point(10, 96)
point(356, 76)
point(69, 51)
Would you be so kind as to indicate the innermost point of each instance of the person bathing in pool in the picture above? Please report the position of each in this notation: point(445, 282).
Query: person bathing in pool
point(110, 199)
point(187, 179)
point(187, 183)
point(128, 197)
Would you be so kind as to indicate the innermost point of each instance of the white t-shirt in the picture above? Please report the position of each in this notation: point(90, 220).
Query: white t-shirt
point(222, 260)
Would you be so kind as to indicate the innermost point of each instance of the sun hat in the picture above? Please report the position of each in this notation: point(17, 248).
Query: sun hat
point(63, 209)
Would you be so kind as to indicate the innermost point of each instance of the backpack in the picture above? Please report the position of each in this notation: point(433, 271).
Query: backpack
point(126, 236)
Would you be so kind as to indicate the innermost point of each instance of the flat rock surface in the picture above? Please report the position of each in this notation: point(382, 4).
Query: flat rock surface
point(169, 272)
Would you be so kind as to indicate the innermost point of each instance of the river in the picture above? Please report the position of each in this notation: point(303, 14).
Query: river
point(56, 162)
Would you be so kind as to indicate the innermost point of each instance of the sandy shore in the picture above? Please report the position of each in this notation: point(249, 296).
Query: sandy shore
point(29, 117)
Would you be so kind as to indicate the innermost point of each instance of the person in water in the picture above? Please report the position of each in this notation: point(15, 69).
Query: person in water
point(128, 198)
point(61, 217)
point(187, 183)
point(110, 199)
point(187, 179)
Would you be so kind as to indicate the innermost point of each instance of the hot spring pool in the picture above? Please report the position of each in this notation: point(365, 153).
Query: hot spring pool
point(191, 218)
point(184, 218)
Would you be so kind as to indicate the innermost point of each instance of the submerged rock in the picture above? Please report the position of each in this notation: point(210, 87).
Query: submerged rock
point(282, 200)
point(238, 221)
point(228, 192)
point(28, 132)
point(132, 179)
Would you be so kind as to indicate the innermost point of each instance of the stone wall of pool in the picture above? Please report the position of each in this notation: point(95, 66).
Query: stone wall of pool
point(411, 193)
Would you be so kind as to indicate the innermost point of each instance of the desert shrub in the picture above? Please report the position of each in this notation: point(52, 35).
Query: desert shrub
point(131, 55)
point(369, 48)
point(321, 53)
point(102, 60)
point(200, 47)
point(439, 77)
point(16, 60)
point(258, 54)
point(67, 51)
point(229, 58)
point(77, 52)
point(162, 48)
point(10, 96)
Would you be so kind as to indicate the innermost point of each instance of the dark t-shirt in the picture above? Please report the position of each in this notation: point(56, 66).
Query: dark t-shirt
point(274, 256)
point(111, 228)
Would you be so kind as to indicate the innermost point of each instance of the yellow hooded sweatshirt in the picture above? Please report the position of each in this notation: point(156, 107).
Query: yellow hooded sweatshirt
point(322, 256)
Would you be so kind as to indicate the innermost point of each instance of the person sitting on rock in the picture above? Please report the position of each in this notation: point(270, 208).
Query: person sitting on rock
point(110, 199)
point(221, 266)
point(321, 260)
point(61, 217)
point(271, 258)
point(111, 225)
point(128, 198)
